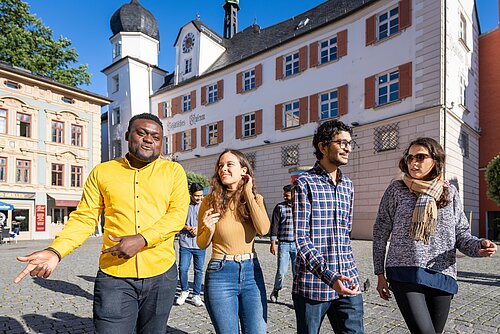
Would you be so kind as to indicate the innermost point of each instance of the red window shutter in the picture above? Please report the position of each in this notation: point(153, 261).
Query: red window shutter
point(258, 122)
point(370, 30)
point(204, 95)
point(343, 100)
point(404, 14)
point(160, 110)
point(303, 107)
point(313, 51)
point(303, 59)
point(279, 68)
point(370, 92)
point(405, 78)
point(239, 83)
point(174, 143)
point(220, 90)
point(220, 131)
point(313, 107)
point(342, 43)
point(203, 135)
point(278, 117)
point(238, 121)
point(193, 138)
point(193, 99)
point(176, 105)
point(258, 75)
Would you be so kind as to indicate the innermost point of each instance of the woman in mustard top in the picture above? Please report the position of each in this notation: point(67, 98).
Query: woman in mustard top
point(229, 218)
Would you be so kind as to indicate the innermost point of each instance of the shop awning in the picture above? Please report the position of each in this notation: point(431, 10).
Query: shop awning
point(71, 200)
point(6, 206)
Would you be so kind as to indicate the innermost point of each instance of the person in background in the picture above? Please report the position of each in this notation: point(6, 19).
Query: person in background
point(326, 281)
point(145, 201)
point(229, 219)
point(422, 217)
point(282, 234)
point(188, 249)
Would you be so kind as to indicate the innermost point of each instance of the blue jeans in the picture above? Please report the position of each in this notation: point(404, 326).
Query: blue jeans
point(185, 255)
point(236, 291)
point(286, 252)
point(345, 314)
point(132, 305)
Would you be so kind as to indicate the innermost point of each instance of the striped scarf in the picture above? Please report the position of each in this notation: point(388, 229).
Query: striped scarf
point(423, 222)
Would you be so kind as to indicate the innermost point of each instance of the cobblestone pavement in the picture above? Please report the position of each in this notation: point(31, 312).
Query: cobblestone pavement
point(63, 303)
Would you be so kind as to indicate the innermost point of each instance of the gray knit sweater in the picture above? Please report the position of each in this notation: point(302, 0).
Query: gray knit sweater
point(393, 221)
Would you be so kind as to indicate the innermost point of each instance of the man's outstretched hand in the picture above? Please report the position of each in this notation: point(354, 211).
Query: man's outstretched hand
point(127, 247)
point(40, 264)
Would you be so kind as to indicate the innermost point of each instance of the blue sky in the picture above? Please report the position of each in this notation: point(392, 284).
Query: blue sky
point(86, 23)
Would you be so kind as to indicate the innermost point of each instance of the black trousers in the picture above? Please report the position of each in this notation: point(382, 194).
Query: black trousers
point(424, 309)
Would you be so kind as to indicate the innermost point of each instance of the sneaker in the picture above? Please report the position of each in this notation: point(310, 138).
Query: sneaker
point(274, 296)
point(182, 297)
point(197, 301)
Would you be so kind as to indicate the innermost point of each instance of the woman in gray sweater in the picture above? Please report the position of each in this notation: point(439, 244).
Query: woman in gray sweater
point(423, 218)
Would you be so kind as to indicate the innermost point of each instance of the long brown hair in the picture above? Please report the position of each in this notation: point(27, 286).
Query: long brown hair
point(437, 154)
point(220, 198)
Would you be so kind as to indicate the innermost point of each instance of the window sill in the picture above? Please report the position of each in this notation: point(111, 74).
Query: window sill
point(380, 41)
point(286, 77)
point(388, 104)
point(248, 137)
point(290, 128)
point(248, 90)
point(210, 103)
point(320, 65)
point(211, 145)
point(464, 108)
point(464, 44)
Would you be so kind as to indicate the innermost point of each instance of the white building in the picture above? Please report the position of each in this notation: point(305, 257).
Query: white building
point(395, 70)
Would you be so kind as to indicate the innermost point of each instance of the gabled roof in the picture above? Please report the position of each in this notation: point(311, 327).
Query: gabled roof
point(202, 27)
point(254, 40)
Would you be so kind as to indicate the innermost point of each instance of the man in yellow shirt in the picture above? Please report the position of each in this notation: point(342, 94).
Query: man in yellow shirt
point(145, 201)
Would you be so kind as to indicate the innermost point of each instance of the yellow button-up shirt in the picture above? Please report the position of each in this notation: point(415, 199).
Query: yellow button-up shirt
point(152, 201)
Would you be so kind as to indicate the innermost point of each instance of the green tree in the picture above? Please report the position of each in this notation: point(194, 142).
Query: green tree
point(25, 42)
point(492, 176)
point(197, 178)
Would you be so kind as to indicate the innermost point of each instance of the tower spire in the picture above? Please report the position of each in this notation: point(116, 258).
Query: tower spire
point(231, 18)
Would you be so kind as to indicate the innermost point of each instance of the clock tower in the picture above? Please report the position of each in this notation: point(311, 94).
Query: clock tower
point(133, 75)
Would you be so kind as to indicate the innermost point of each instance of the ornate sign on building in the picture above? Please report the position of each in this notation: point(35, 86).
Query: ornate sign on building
point(40, 218)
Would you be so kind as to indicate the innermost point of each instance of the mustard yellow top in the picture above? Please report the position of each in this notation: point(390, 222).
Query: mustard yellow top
point(231, 235)
point(152, 201)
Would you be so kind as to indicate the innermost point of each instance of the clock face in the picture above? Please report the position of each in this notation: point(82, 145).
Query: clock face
point(188, 43)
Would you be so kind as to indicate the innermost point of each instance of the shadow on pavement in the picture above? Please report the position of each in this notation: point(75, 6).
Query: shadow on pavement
point(62, 322)
point(87, 278)
point(63, 287)
point(174, 330)
point(290, 306)
point(479, 278)
point(10, 325)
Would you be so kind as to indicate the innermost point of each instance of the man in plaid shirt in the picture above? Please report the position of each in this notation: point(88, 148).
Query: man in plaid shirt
point(282, 231)
point(327, 279)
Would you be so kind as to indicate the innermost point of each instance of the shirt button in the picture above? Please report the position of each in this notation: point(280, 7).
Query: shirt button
point(137, 196)
point(138, 227)
point(137, 211)
point(137, 183)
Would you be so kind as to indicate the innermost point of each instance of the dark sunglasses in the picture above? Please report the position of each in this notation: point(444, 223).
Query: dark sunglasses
point(419, 157)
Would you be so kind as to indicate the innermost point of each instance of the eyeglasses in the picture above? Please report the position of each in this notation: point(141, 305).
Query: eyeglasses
point(419, 157)
point(344, 143)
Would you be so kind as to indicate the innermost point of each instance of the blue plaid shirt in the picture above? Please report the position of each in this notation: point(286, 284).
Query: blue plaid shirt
point(282, 222)
point(322, 215)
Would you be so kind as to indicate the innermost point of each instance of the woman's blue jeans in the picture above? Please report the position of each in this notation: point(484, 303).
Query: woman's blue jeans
point(185, 255)
point(235, 293)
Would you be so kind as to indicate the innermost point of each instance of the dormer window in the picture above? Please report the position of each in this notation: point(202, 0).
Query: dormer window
point(12, 85)
point(68, 100)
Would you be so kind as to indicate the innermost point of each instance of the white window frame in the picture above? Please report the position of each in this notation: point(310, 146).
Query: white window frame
point(186, 140)
point(462, 32)
point(166, 145)
point(328, 50)
point(4, 119)
point(391, 78)
point(117, 49)
point(248, 79)
point(464, 144)
point(186, 103)
point(388, 19)
point(463, 92)
point(212, 93)
point(115, 83)
point(249, 125)
point(115, 116)
point(188, 66)
point(329, 104)
point(291, 64)
point(116, 149)
point(212, 134)
point(291, 114)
